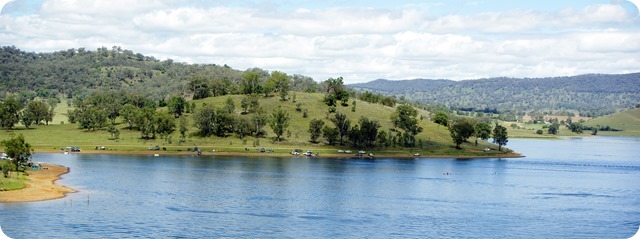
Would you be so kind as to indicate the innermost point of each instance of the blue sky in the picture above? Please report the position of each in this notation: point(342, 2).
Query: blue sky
point(359, 40)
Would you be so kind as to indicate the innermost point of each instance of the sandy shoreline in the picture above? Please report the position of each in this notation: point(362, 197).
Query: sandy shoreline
point(255, 154)
point(40, 187)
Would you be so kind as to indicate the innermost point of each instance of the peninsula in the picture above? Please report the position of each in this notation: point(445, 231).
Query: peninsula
point(40, 186)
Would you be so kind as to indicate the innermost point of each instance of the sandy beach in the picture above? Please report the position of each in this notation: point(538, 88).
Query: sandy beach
point(41, 186)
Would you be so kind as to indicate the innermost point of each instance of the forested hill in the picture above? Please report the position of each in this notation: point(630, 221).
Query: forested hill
point(590, 95)
point(77, 73)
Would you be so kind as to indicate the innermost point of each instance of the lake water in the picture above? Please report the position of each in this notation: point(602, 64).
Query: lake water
point(574, 188)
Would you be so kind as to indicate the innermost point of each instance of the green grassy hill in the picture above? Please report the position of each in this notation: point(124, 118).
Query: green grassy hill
point(436, 140)
point(628, 121)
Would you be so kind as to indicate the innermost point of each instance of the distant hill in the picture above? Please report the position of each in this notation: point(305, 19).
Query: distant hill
point(590, 95)
point(76, 73)
point(628, 121)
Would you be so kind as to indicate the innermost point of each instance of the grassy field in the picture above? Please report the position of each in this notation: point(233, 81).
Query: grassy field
point(436, 140)
point(529, 131)
point(628, 121)
point(60, 115)
point(14, 181)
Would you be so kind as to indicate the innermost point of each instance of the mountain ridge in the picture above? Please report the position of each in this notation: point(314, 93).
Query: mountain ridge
point(588, 94)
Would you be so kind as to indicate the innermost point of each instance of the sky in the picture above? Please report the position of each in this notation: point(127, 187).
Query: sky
point(359, 40)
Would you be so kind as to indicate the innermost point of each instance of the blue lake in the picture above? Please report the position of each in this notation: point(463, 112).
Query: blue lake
point(573, 188)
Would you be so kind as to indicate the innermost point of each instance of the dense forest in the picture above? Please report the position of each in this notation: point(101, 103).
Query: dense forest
point(78, 73)
point(589, 95)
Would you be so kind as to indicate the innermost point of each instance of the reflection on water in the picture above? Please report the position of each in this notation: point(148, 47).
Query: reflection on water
point(578, 188)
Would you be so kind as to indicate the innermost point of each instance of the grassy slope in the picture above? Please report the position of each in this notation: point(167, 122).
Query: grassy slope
point(60, 112)
point(436, 139)
point(628, 120)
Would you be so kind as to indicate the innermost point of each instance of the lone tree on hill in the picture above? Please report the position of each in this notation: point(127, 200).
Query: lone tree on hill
point(336, 92)
point(230, 105)
point(441, 118)
point(251, 83)
point(461, 131)
point(315, 129)
point(500, 136)
point(279, 122)
point(406, 118)
point(343, 125)
point(183, 129)
point(282, 84)
point(176, 106)
point(482, 131)
point(17, 149)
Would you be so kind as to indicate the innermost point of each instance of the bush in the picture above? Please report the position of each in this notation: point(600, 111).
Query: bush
point(539, 132)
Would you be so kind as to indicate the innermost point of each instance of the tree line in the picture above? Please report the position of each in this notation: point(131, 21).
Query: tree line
point(34, 112)
point(463, 128)
point(139, 113)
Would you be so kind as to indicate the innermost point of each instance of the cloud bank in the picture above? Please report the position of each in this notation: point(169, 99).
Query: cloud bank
point(360, 43)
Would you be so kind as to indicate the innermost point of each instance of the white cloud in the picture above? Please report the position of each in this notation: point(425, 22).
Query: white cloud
point(609, 42)
point(360, 44)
